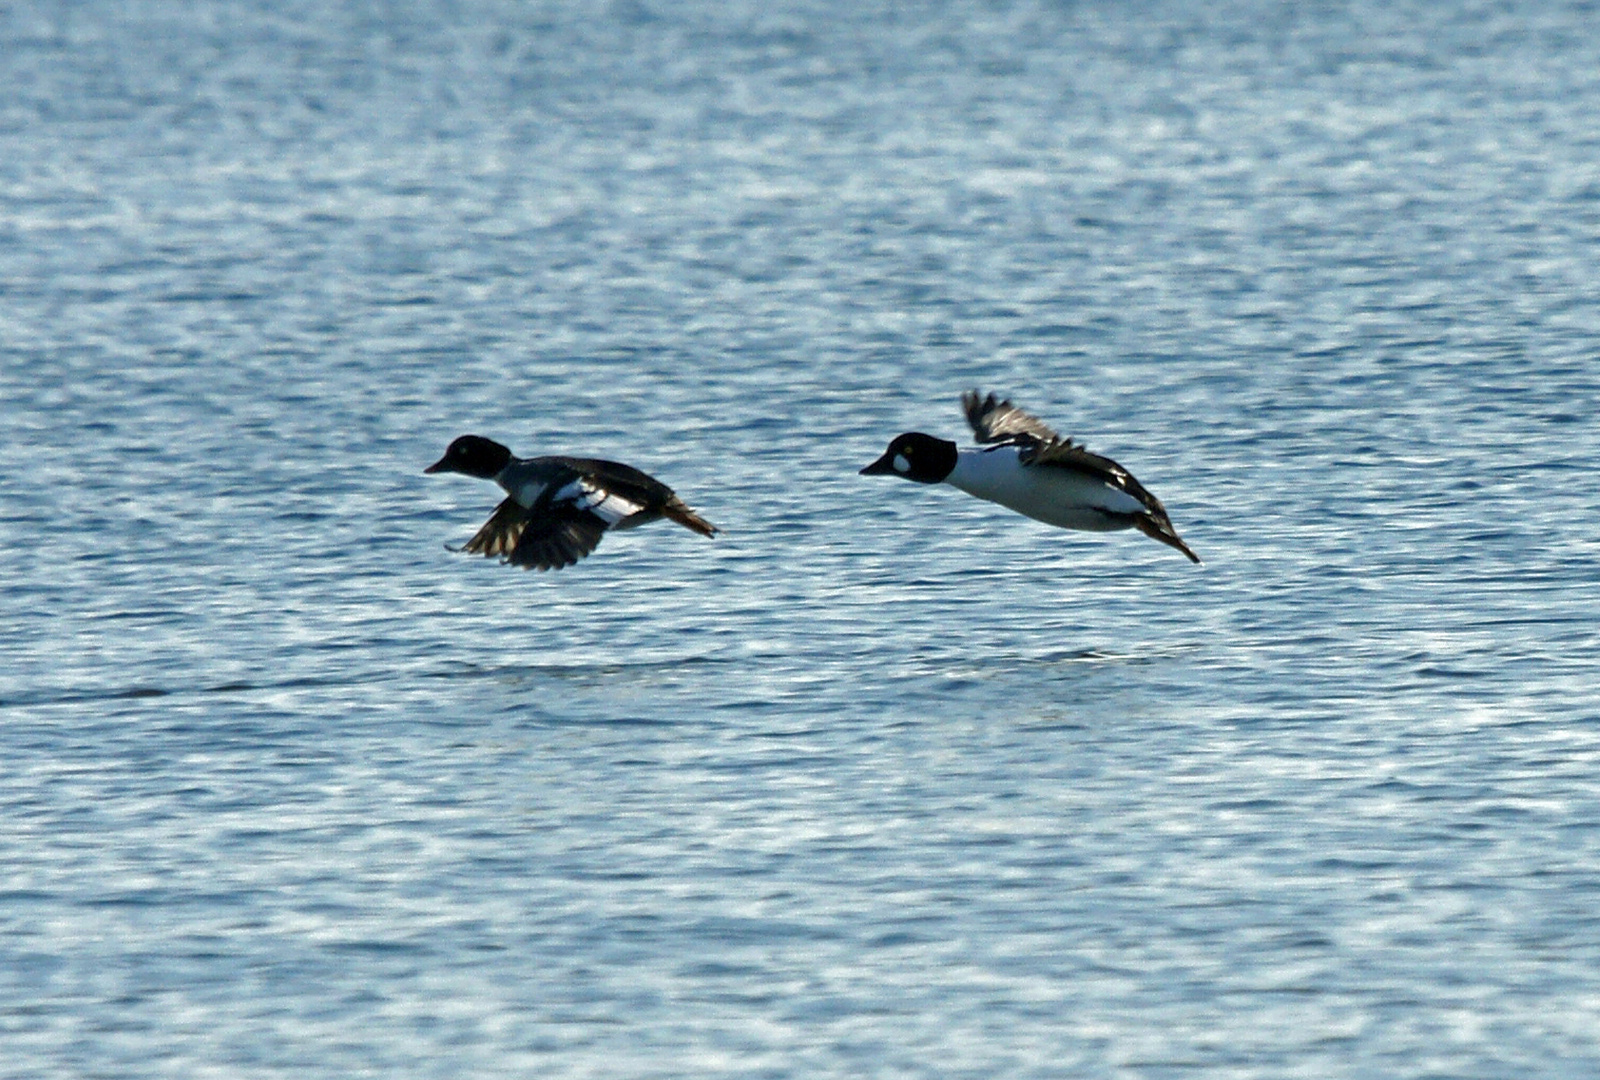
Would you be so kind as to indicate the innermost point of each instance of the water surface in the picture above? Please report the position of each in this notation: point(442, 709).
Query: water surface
point(882, 781)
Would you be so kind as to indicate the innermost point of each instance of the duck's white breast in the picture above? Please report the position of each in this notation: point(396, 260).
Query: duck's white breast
point(1064, 498)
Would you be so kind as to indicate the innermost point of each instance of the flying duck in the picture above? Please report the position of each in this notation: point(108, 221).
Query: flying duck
point(1027, 467)
point(557, 508)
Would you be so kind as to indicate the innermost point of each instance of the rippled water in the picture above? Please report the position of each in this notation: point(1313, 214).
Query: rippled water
point(883, 781)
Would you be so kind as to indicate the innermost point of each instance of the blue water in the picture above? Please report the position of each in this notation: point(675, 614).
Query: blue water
point(883, 781)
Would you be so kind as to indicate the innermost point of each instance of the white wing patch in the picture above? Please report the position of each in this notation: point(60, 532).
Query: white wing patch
point(608, 506)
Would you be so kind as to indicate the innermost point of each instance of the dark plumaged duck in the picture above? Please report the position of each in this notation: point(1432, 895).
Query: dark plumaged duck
point(557, 508)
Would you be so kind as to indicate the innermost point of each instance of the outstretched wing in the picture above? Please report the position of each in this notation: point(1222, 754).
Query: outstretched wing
point(550, 535)
point(996, 421)
point(547, 537)
point(568, 519)
point(559, 536)
point(500, 533)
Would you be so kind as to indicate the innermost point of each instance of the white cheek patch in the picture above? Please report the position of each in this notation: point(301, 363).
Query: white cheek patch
point(901, 464)
point(608, 506)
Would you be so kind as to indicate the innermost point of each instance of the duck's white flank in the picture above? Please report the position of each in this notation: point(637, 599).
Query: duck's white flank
point(1062, 497)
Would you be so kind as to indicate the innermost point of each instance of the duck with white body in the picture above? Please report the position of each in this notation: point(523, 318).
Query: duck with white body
point(1032, 470)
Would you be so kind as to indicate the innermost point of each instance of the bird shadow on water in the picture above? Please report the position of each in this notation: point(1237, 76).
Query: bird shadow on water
point(1066, 663)
point(1052, 688)
point(899, 682)
point(598, 675)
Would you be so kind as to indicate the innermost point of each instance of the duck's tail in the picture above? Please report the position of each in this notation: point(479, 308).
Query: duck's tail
point(677, 510)
point(1161, 529)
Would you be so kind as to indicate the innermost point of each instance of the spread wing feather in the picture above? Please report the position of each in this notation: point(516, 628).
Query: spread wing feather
point(996, 421)
point(547, 537)
point(558, 538)
point(501, 532)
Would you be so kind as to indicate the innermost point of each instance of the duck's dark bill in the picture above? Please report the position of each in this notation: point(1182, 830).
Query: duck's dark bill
point(883, 465)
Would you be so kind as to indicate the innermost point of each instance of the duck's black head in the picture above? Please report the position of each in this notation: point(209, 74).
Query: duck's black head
point(915, 456)
point(473, 455)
